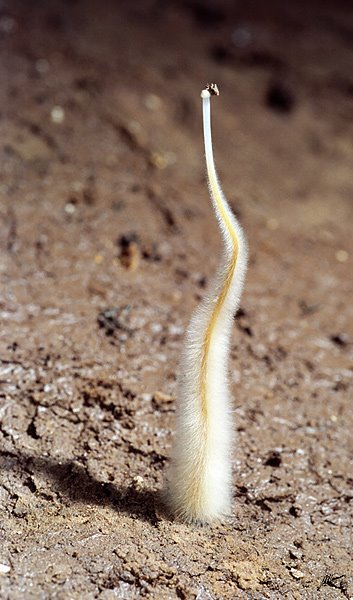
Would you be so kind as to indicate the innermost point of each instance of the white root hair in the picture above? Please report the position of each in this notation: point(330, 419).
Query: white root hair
point(199, 485)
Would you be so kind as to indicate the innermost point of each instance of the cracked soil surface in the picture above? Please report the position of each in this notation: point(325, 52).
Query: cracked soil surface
point(107, 243)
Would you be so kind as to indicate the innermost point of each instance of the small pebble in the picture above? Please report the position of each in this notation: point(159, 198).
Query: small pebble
point(152, 102)
point(134, 132)
point(297, 574)
point(138, 483)
point(295, 553)
point(160, 399)
point(130, 252)
point(175, 330)
point(342, 256)
point(162, 160)
point(326, 510)
point(57, 115)
point(4, 569)
point(70, 208)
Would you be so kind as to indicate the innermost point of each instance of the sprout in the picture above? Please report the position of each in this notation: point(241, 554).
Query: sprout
point(199, 487)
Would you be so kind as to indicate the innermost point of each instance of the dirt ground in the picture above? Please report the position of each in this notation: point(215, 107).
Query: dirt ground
point(107, 244)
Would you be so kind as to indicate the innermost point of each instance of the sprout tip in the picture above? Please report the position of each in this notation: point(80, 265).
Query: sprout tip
point(211, 89)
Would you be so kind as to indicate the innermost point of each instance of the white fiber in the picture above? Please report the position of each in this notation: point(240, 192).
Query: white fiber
point(199, 486)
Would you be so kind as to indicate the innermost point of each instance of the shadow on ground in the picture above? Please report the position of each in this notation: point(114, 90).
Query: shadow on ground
point(72, 482)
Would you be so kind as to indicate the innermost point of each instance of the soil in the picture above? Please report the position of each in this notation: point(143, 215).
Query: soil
point(107, 243)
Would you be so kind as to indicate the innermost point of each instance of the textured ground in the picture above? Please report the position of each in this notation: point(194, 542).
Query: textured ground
point(107, 243)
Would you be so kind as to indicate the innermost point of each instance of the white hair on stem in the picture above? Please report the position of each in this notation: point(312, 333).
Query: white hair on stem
point(200, 478)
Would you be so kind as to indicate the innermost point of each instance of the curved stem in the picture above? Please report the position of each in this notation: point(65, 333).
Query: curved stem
point(200, 478)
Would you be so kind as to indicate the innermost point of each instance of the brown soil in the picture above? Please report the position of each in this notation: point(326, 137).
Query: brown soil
point(107, 243)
